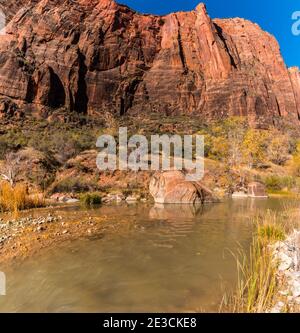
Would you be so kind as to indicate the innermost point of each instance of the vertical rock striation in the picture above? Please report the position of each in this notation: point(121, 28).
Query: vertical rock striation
point(95, 56)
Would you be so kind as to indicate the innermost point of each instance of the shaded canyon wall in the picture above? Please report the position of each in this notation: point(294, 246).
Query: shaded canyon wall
point(95, 56)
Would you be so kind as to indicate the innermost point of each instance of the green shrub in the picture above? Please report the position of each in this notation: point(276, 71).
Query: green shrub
point(71, 185)
point(64, 140)
point(91, 199)
point(277, 183)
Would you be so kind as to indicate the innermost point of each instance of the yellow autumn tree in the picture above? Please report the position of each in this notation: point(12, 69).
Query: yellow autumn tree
point(278, 147)
point(295, 163)
point(224, 143)
point(254, 147)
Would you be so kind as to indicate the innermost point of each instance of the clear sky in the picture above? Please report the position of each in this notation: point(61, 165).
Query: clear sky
point(274, 16)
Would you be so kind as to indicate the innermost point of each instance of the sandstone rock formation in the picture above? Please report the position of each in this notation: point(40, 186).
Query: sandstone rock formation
point(95, 56)
point(171, 187)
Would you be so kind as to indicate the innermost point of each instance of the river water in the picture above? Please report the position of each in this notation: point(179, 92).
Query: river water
point(170, 259)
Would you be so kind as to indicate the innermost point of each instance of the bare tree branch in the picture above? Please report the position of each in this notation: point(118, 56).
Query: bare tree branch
point(9, 171)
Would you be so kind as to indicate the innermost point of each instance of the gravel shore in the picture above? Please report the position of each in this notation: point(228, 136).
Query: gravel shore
point(21, 237)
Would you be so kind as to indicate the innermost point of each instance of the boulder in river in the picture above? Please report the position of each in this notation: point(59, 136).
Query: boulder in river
point(171, 187)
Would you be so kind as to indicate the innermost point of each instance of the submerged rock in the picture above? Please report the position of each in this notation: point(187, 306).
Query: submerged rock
point(174, 212)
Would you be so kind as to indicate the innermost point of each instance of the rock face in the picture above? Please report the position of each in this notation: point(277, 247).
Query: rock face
point(95, 56)
point(171, 187)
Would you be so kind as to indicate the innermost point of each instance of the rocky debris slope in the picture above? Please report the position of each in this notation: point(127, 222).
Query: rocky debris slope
point(96, 56)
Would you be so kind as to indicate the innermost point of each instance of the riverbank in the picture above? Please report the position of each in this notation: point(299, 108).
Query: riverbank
point(287, 253)
point(39, 232)
point(37, 229)
point(140, 246)
point(269, 273)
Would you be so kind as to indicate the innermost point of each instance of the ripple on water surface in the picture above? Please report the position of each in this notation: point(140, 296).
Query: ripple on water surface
point(168, 259)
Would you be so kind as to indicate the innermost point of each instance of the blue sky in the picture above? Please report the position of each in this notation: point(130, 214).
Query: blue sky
point(274, 16)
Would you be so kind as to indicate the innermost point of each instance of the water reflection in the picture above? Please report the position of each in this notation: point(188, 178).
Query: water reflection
point(171, 212)
point(169, 258)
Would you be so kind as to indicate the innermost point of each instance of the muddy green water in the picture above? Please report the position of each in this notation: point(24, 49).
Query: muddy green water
point(169, 259)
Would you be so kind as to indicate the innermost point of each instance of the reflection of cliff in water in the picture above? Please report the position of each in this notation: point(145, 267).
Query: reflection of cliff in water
point(168, 258)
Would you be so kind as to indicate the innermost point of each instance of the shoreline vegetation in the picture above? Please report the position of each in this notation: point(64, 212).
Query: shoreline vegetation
point(53, 158)
point(48, 227)
point(262, 286)
point(15, 199)
point(262, 273)
point(61, 168)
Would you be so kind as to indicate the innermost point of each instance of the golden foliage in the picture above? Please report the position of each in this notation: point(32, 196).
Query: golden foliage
point(14, 199)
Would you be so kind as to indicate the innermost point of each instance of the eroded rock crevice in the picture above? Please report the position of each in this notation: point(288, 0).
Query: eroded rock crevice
point(97, 57)
point(56, 93)
point(81, 97)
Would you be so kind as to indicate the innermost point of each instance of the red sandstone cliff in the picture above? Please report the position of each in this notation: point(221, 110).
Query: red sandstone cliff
point(94, 56)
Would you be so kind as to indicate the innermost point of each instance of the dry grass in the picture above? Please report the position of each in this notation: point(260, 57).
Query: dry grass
point(256, 280)
point(14, 199)
point(257, 271)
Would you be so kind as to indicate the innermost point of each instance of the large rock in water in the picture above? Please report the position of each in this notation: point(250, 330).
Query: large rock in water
point(171, 187)
point(95, 56)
